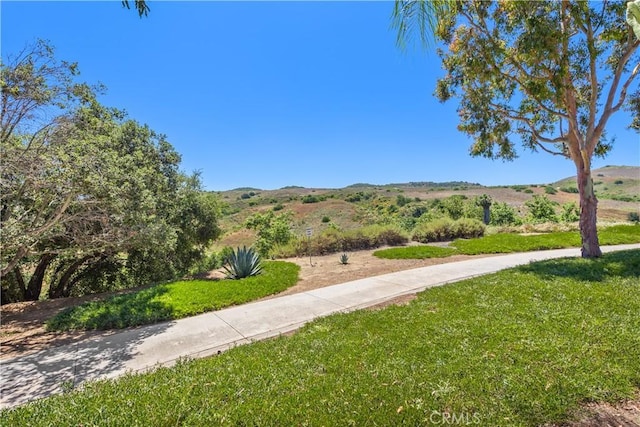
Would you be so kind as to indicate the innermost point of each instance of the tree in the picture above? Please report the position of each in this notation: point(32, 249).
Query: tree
point(90, 199)
point(550, 73)
point(141, 7)
point(272, 229)
point(485, 202)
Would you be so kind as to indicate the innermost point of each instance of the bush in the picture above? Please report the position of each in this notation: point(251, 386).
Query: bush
point(573, 190)
point(541, 209)
point(633, 217)
point(618, 182)
point(503, 214)
point(570, 212)
point(310, 198)
point(333, 240)
point(550, 190)
point(326, 219)
point(445, 229)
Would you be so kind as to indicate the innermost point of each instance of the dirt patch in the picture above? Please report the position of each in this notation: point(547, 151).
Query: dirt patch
point(625, 414)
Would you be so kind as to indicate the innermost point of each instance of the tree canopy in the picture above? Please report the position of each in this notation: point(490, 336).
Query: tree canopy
point(89, 198)
point(548, 74)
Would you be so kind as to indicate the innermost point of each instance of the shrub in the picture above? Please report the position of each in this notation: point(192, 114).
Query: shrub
point(326, 219)
point(272, 229)
point(633, 217)
point(344, 259)
point(570, 212)
point(333, 240)
point(468, 228)
point(446, 229)
point(550, 190)
point(503, 214)
point(573, 190)
point(541, 209)
point(618, 182)
point(310, 198)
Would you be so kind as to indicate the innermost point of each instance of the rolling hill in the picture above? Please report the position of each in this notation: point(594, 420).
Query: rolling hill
point(617, 188)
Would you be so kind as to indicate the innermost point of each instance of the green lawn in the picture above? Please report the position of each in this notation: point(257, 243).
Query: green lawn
point(175, 300)
point(415, 252)
point(507, 243)
point(521, 347)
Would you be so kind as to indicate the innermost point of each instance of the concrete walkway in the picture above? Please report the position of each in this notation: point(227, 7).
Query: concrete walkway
point(40, 374)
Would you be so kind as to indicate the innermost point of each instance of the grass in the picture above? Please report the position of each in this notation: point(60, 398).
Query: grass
point(522, 347)
point(415, 252)
point(175, 300)
point(507, 243)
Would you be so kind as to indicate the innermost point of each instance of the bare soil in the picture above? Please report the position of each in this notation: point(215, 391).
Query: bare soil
point(22, 328)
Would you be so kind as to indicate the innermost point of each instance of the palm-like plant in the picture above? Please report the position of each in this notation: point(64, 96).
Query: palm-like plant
point(420, 16)
point(243, 262)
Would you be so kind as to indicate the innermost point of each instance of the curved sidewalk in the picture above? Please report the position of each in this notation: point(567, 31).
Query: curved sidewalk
point(37, 375)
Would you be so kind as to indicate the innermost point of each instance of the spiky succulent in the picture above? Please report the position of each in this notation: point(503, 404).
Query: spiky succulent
point(344, 259)
point(243, 262)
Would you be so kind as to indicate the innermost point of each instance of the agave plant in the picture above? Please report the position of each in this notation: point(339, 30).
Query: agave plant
point(344, 259)
point(243, 262)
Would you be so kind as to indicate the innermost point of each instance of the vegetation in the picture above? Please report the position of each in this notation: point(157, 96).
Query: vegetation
point(272, 230)
point(505, 243)
point(344, 259)
point(91, 200)
point(508, 243)
point(243, 262)
point(175, 300)
point(503, 214)
point(541, 209)
point(526, 346)
point(333, 240)
point(415, 252)
point(445, 229)
point(506, 93)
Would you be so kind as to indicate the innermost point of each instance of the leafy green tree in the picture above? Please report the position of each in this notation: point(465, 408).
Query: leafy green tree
point(551, 73)
point(503, 214)
point(272, 229)
point(89, 199)
point(454, 206)
point(541, 209)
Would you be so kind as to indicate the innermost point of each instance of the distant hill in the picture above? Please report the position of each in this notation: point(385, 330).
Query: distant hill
point(617, 188)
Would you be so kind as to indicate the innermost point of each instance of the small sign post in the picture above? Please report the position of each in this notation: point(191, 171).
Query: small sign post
point(309, 233)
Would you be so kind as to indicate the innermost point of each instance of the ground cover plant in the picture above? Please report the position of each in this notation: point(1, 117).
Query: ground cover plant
point(415, 252)
point(523, 347)
point(175, 300)
point(507, 243)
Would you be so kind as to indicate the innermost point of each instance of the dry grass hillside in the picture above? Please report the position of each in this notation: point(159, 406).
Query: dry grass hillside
point(617, 188)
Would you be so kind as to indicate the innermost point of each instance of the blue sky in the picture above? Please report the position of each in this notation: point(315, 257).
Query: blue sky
point(270, 94)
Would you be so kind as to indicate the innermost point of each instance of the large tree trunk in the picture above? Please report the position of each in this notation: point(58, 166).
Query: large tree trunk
point(32, 293)
point(61, 288)
point(588, 214)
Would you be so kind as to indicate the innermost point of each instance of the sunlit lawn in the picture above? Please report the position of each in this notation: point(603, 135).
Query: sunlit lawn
point(521, 347)
point(176, 300)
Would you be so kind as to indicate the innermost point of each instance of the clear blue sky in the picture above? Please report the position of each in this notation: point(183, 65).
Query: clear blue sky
point(269, 94)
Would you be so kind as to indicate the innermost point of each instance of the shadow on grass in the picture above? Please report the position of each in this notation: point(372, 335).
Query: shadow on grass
point(116, 312)
point(615, 264)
